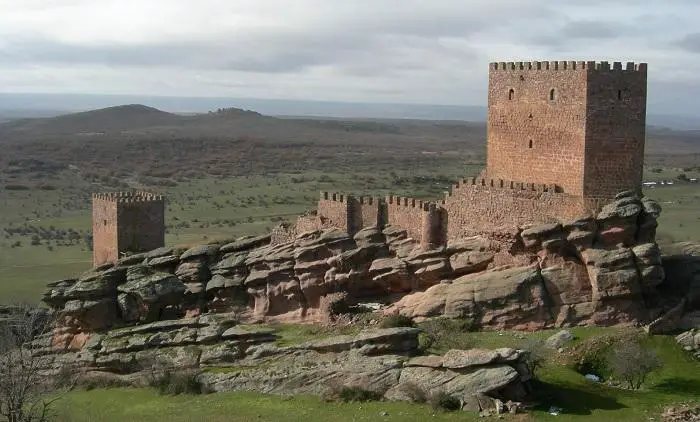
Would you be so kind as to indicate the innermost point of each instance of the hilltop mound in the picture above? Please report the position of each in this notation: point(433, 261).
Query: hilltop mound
point(112, 119)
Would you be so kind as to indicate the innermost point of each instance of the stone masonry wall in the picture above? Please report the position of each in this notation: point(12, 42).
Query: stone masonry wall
point(532, 138)
point(348, 212)
point(126, 221)
point(579, 125)
point(334, 208)
point(141, 225)
point(615, 129)
point(104, 231)
point(481, 205)
point(370, 212)
point(406, 213)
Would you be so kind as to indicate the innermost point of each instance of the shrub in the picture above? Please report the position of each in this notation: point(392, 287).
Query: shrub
point(169, 382)
point(340, 392)
point(16, 187)
point(632, 363)
point(358, 394)
point(425, 342)
point(537, 355)
point(394, 321)
point(440, 400)
point(591, 356)
point(445, 333)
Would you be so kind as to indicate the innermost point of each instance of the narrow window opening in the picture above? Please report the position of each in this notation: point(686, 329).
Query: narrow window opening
point(511, 94)
point(552, 94)
point(530, 144)
point(104, 222)
point(619, 94)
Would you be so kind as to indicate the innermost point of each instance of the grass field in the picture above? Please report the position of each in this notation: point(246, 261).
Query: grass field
point(678, 381)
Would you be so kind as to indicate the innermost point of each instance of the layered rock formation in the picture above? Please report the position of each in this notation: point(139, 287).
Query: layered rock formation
point(246, 358)
point(600, 270)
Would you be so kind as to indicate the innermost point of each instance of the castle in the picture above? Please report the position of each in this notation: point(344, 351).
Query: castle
point(564, 138)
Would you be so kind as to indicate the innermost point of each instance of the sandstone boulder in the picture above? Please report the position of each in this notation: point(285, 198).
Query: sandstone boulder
point(246, 243)
point(507, 298)
point(559, 340)
point(152, 293)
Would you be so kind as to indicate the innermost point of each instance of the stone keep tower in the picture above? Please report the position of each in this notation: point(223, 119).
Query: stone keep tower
point(126, 221)
point(578, 125)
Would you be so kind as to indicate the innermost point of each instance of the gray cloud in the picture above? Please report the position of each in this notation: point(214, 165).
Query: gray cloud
point(361, 53)
point(395, 50)
point(690, 42)
point(592, 30)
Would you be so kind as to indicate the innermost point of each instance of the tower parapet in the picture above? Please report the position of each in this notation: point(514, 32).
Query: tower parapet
point(568, 65)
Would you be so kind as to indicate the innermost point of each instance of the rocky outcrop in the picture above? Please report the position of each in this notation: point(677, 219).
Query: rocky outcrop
point(690, 340)
point(601, 270)
point(590, 271)
point(378, 361)
point(247, 358)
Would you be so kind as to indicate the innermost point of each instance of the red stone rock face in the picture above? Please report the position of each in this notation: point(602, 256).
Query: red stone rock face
point(579, 125)
point(126, 221)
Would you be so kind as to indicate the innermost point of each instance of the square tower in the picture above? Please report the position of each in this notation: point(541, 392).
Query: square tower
point(577, 125)
point(126, 222)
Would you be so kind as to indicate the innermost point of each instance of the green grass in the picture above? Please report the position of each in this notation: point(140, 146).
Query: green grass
point(118, 405)
point(293, 334)
point(678, 381)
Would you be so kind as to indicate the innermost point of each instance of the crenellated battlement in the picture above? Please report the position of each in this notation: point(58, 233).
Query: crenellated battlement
point(404, 201)
point(471, 182)
point(368, 200)
point(333, 196)
point(602, 66)
point(128, 197)
point(340, 197)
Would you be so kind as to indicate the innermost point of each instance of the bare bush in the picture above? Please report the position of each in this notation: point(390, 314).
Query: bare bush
point(25, 391)
point(632, 363)
point(537, 355)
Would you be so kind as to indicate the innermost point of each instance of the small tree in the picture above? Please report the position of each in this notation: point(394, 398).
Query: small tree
point(632, 363)
point(537, 355)
point(22, 383)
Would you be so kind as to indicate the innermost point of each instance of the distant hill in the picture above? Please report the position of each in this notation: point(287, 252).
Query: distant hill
point(111, 119)
point(137, 121)
point(28, 105)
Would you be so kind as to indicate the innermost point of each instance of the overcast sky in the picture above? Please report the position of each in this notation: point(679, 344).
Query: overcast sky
point(413, 51)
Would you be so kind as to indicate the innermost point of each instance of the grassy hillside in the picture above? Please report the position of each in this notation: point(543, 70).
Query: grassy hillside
point(678, 381)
